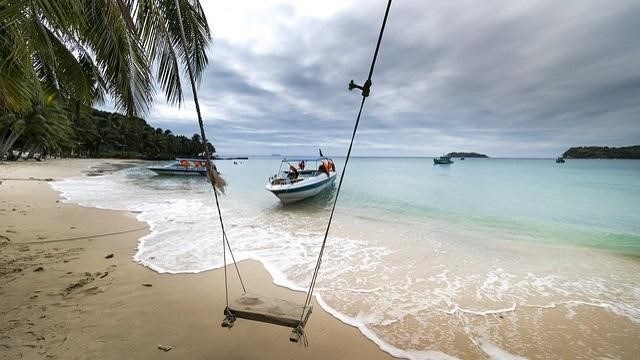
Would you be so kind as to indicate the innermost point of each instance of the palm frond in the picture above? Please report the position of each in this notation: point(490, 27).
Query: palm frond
point(157, 43)
point(17, 76)
point(119, 56)
point(160, 34)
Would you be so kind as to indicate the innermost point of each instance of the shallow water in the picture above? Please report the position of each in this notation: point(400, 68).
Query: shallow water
point(482, 258)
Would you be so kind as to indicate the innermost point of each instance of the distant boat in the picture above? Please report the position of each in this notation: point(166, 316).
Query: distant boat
point(188, 167)
point(213, 157)
point(309, 178)
point(560, 160)
point(442, 160)
point(462, 158)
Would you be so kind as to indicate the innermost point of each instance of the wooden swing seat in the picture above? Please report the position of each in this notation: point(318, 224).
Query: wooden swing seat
point(268, 310)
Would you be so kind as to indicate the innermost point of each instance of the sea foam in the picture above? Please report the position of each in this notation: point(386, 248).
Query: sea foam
point(407, 285)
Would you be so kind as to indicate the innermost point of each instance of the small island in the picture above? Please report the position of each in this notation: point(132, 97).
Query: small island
point(466, 155)
point(603, 152)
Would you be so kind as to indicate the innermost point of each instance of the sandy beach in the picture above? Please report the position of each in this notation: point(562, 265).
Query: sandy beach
point(70, 289)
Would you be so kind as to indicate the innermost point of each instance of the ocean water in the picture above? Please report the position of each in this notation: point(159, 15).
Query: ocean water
point(484, 258)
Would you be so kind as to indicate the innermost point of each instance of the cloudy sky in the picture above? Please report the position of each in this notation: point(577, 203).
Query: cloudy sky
point(507, 78)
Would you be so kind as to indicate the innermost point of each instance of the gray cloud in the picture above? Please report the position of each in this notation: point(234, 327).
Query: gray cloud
point(508, 78)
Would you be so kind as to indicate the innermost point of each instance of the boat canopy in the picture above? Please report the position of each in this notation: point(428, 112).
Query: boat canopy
point(318, 158)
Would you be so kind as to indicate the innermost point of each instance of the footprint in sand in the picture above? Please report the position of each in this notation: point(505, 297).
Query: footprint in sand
point(78, 284)
point(4, 240)
point(94, 290)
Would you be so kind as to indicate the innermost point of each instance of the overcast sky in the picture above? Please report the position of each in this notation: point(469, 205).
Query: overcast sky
point(507, 78)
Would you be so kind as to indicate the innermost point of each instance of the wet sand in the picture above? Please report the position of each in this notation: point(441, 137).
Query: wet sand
point(70, 289)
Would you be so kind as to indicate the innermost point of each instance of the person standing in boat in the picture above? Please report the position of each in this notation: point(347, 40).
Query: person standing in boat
point(293, 172)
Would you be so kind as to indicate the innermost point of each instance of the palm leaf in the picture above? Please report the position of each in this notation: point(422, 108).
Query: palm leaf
point(161, 36)
point(119, 56)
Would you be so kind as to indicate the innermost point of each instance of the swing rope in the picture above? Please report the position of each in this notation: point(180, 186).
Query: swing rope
point(217, 181)
point(212, 172)
point(225, 245)
point(365, 93)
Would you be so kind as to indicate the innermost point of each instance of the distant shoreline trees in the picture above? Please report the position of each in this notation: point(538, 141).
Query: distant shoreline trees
point(101, 134)
point(603, 152)
point(466, 154)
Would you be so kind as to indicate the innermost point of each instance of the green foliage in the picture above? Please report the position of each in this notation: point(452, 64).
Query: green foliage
point(60, 57)
point(84, 49)
point(77, 131)
point(44, 125)
point(467, 154)
point(603, 152)
point(103, 134)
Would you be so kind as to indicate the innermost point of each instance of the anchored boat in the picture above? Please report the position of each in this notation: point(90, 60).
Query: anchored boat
point(193, 167)
point(301, 178)
point(442, 160)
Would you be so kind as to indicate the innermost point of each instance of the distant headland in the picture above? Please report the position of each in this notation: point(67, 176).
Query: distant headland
point(466, 155)
point(603, 152)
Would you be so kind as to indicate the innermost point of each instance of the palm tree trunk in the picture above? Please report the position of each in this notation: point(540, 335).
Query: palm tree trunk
point(7, 143)
point(216, 180)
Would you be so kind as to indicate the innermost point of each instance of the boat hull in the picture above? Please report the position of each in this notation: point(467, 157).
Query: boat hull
point(179, 172)
point(290, 193)
point(442, 162)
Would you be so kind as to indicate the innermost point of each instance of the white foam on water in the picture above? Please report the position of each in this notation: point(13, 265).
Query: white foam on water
point(481, 312)
point(362, 320)
point(495, 352)
point(407, 281)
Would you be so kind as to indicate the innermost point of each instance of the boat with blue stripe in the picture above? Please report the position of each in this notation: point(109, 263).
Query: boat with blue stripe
point(182, 167)
point(300, 178)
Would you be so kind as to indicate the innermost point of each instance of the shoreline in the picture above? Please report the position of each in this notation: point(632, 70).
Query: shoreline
point(541, 325)
point(71, 298)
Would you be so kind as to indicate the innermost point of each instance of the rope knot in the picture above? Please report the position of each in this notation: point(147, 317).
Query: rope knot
point(366, 88)
point(298, 334)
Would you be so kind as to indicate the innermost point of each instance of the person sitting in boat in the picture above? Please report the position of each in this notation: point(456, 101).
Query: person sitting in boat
point(301, 165)
point(293, 172)
point(324, 167)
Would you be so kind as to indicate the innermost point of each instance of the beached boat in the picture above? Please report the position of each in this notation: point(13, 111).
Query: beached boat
point(214, 157)
point(560, 160)
point(182, 167)
point(301, 178)
point(442, 160)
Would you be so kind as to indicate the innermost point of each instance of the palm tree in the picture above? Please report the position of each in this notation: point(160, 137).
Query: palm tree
point(47, 128)
point(82, 50)
point(44, 126)
point(192, 69)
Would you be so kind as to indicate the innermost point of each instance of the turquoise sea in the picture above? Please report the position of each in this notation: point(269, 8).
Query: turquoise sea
point(496, 258)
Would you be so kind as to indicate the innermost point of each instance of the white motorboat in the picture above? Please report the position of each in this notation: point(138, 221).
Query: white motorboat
point(183, 166)
point(301, 178)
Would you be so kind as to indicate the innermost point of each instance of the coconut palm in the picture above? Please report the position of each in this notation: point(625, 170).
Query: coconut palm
point(47, 129)
point(45, 126)
point(86, 48)
point(82, 50)
point(192, 66)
